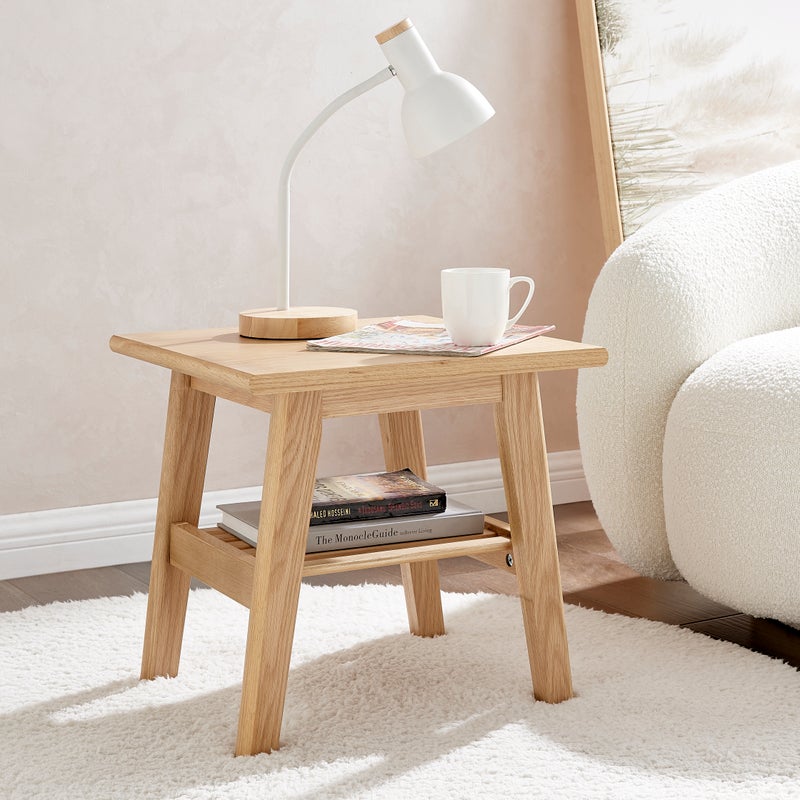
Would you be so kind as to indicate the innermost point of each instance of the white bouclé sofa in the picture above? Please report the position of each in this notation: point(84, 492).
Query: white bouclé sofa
point(690, 436)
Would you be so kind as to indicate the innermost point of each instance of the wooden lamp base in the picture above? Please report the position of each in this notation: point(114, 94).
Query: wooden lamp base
point(299, 322)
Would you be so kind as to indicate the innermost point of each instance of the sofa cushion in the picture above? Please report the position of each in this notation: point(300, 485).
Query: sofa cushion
point(732, 476)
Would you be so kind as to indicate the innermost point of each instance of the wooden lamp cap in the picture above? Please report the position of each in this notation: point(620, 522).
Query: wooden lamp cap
point(299, 322)
point(395, 30)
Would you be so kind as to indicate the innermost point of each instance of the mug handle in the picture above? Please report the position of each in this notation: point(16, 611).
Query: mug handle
point(531, 287)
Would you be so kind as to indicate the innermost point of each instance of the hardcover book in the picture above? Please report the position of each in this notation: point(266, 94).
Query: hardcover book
point(241, 519)
point(370, 496)
point(409, 337)
point(374, 495)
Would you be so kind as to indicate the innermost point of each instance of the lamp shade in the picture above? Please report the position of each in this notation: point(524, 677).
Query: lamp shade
point(438, 107)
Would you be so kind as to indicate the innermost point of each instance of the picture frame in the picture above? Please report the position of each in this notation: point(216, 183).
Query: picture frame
point(684, 96)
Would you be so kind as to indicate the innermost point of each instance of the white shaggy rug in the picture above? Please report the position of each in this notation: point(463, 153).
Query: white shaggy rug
point(375, 713)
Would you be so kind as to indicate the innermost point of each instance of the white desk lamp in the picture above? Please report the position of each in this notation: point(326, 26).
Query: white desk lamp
point(438, 108)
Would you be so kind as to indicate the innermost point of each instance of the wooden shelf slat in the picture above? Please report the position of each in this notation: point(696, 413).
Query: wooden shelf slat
point(210, 555)
point(408, 552)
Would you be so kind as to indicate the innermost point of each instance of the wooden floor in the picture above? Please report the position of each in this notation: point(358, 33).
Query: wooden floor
point(592, 576)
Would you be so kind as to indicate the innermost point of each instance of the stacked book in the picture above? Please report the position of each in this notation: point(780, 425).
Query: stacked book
point(350, 511)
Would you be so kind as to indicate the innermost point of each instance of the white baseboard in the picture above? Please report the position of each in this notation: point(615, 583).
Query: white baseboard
point(65, 539)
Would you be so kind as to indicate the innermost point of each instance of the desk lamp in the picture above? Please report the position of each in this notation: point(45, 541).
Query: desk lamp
point(438, 108)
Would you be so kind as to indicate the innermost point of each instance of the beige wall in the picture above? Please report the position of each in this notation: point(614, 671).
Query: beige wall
point(140, 146)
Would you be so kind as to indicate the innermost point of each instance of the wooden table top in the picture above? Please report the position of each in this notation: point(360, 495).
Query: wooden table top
point(265, 367)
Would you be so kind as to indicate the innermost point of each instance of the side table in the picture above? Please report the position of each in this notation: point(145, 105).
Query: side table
point(299, 388)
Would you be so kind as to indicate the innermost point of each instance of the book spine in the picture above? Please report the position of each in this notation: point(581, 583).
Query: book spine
point(329, 513)
point(348, 537)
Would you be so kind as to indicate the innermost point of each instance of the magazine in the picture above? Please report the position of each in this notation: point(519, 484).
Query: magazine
point(405, 336)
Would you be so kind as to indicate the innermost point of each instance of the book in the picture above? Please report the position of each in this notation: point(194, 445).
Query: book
point(241, 520)
point(374, 495)
point(409, 337)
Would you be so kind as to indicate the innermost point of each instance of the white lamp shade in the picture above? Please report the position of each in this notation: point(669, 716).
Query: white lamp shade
point(438, 107)
point(440, 111)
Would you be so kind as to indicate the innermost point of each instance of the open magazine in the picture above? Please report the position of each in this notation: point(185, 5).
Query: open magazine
point(405, 336)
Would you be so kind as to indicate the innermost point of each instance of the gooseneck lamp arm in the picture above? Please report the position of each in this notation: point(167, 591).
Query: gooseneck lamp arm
point(286, 174)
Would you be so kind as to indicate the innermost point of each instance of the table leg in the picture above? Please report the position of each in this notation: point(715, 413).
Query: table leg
point(404, 447)
point(523, 458)
point(294, 437)
point(183, 472)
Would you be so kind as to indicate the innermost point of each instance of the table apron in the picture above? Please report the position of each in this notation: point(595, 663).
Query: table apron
point(348, 401)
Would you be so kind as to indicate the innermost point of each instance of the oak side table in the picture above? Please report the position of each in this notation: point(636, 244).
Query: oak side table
point(299, 388)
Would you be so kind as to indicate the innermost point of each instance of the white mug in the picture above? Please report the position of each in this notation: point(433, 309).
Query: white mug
point(475, 303)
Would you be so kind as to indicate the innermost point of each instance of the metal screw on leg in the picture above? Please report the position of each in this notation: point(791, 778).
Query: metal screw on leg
point(509, 559)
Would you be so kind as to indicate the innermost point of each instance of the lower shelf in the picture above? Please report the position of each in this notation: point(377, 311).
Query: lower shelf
point(221, 560)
